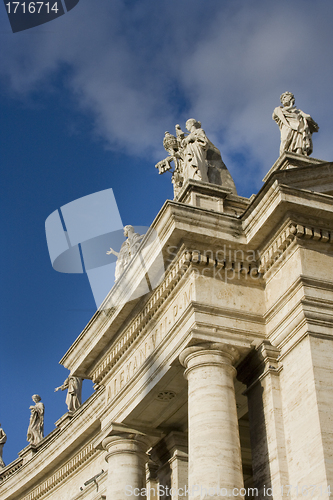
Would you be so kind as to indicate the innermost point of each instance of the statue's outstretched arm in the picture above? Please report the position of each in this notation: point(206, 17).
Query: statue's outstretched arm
point(111, 251)
point(62, 387)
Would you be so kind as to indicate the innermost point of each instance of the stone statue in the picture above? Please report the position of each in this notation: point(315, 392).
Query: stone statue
point(36, 425)
point(127, 251)
point(3, 439)
point(194, 157)
point(296, 126)
point(74, 390)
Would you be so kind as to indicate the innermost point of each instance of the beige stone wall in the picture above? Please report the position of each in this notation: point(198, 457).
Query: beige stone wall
point(302, 422)
point(322, 356)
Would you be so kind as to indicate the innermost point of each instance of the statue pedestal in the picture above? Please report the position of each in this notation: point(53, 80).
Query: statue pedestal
point(28, 452)
point(64, 420)
point(211, 197)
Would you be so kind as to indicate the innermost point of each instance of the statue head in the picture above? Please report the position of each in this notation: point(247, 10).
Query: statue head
point(128, 229)
point(36, 398)
point(192, 122)
point(287, 99)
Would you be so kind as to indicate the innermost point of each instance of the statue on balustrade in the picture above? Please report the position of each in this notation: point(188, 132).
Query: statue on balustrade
point(296, 126)
point(194, 156)
point(127, 251)
point(3, 439)
point(74, 391)
point(36, 425)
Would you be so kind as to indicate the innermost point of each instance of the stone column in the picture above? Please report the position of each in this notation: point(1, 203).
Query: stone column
point(215, 467)
point(126, 457)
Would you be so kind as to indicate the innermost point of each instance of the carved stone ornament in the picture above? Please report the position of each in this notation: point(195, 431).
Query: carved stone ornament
point(296, 126)
point(193, 156)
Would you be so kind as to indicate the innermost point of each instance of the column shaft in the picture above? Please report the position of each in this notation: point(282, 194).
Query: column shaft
point(215, 466)
point(126, 460)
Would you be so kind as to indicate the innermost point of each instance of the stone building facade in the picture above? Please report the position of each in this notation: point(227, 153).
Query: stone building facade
point(218, 382)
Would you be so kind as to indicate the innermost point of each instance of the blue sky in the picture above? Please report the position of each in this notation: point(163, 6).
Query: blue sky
point(85, 101)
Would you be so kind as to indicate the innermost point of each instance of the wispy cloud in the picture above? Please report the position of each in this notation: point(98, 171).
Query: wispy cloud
point(140, 67)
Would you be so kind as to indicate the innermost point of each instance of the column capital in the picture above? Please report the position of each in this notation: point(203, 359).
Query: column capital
point(208, 353)
point(126, 456)
point(126, 443)
point(120, 434)
point(262, 360)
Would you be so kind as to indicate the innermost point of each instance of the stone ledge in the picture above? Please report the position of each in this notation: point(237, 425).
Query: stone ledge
point(290, 160)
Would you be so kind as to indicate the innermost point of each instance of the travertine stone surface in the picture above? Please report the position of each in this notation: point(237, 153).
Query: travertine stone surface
point(214, 447)
point(171, 455)
point(126, 458)
point(306, 388)
point(261, 372)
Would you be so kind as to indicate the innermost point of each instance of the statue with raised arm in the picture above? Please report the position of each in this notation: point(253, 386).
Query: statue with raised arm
point(127, 251)
point(36, 425)
point(194, 157)
point(74, 390)
point(3, 439)
point(296, 126)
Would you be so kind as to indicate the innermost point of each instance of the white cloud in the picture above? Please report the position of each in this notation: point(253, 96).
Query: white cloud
point(132, 65)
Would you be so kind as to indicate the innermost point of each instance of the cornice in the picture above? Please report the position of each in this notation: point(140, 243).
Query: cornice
point(277, 248)
point(292, 162)
point(140, 322)
point(272, 203)
point(7, 471)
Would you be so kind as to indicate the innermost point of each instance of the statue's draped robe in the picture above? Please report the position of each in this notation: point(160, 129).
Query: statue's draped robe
point(195, 166)
point(127, 251)
point(36, 425)
point(3, 439)
point(296, 129)
point(73, 398)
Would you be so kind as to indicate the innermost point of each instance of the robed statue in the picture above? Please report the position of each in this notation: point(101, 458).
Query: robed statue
point(74, 390)
point(3, 439)
point(36, 425)
point(194, 156)
point(296, 126)
point(127, 251)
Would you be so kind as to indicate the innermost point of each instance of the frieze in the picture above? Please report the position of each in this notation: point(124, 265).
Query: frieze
point(61, 473)
point(149, 344)
point(239, 262)
point(139, 323)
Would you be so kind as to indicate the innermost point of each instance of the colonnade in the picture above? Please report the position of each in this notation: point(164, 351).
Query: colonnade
point(214, 456)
